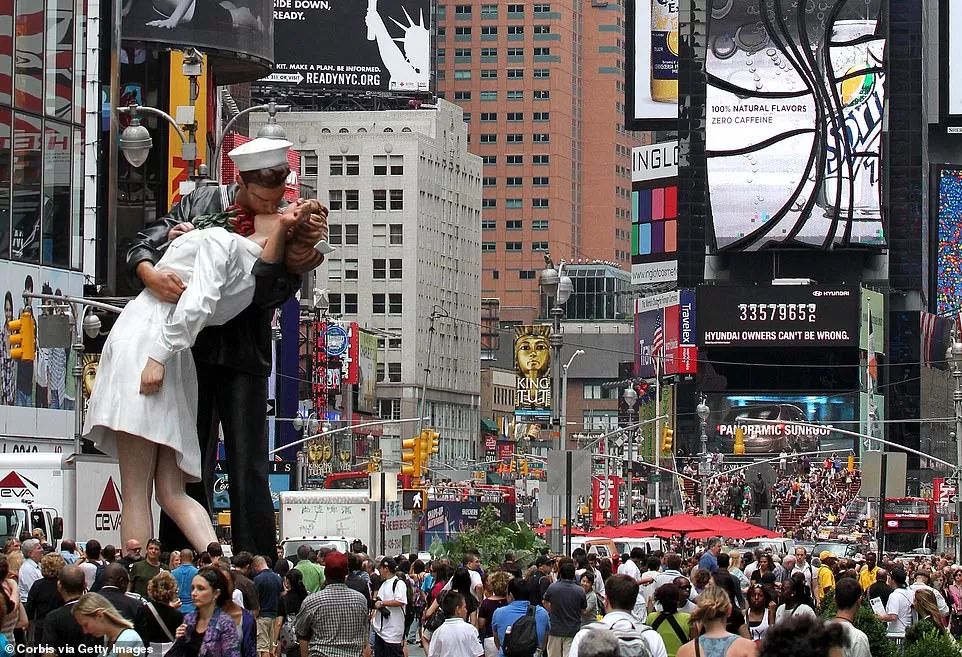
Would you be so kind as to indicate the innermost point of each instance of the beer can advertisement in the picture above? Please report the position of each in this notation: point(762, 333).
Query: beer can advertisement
point(532, 359)
point(377, 45)
point(652, 63)
point(773, 316)
point(800, 422)
point(794, 114)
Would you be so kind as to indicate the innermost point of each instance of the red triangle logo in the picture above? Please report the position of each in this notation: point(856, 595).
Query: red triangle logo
point(110, 502)
point(12, 480)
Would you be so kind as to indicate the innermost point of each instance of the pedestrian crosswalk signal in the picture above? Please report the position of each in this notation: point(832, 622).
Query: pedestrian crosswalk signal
point(22, 337)
point(411, 457)
point(667, 437)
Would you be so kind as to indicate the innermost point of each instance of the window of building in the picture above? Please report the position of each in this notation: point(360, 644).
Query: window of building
point(515, 116)
point(394, 372)
point(462, 52)
point(395, 303)
point(539, 224)
point(459, 95)
point(597, 391)
point(539, 246)
point(464, 74)
point(542, 8)
point(397, 268)
point(397, 199)
point(495, 274)
point(515, 138)
point(442, 32)
point(515, 73)
point(352, 199)
point(462, 31)
point(489, 116)
point(542, 73)
point(378, 303)
point(515, 9)
point(489, 224)
point(489, 138)
point(343, 304)
point(350, 233)
point(489, 11)
point(513, 224)
point(396, 234)
point(335, 199)
point(350, 269)
point(488, 247)
point(397, 164)
point(335, 270)
point(540, 159)
point(308, 163)
point(540, 181)
point(512, 246)
point(540, 138)
point(489, 181)
point(515, 52)
point(539, 202)
point(490, 53)
point(379, 268)
point(516, 29)
point(515, 159)
point(516, 94)
point(513, 203)
point(542, 29)
point(542, 52)
point(489, 160)
point(542, 117)
point(442, 52)
point(542, 94)
point(513, 181)
point(489, 30)
point(489, 203)
point(489, 73)
point(466, 117)
point(462, 10)
point(526, 274)
point(342, 165)
point(379, 235)
point(489, 95)
point(380, 199)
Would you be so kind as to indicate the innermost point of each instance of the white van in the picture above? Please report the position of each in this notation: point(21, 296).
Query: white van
point(780, 546)
point(649, 545)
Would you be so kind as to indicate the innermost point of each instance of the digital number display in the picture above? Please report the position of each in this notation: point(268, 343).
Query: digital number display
point(785, 312)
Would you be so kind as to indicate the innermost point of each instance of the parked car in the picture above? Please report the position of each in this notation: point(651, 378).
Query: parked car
point(767, 438)
point(841, 549)
point(780, 546)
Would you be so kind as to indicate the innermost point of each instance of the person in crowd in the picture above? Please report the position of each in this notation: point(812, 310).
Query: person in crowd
point(184, 576)
point(109, 553)
point(736, 621)
point(173, 560)
point(700, 579)
point(389, 608)
point(463, 582)
point(761, 611)
point(244, 619)
point(62, 634)
point(953, 595)
point(825, 576)
point(922, 578)
point(632, 565)
point(143, 570)
point(723, 563)
point(709, 560)
point(419, 598)
point(848, 598)
point(455, 637)
point(735, 568)
point(796, 600)
point(312, 574)
point(208, 630)
point(44, 596)
point(68, 551)
point(565, 601)
point(158, 622)
point(16, 618)
point(898, 609)
point(132, 553)
point(673, 625)
point(97, 617)
point(12, 545)
point(357, 579)
point(335, 621)
point(29, 573)
point(765, 565)
point(518, 604)
point(600, 643)
point(621, 594)
point(269, 588)
point(288, 607)
point(92, 563)
point(116, 580)
point(868, 573)
point(590, 613)
point(711, 617)
point(685, 602)
point(495, 598)
point(930, 618)
point(881, 589)
point(804, 636)
point(540, 578)
point(240, 574)
point(803, 566)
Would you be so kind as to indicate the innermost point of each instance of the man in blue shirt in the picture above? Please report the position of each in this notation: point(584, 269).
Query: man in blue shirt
point(709, 560)
point(505, 617)
point(184, 575)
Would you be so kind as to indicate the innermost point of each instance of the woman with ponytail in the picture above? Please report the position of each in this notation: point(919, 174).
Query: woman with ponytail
point(714, 606)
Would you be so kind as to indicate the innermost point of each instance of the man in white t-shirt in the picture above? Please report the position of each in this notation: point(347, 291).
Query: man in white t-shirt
point(92, 562)
point(389, 608)
point(898, 610)
point(630, 566)
point(848, 596)
point(455, 637)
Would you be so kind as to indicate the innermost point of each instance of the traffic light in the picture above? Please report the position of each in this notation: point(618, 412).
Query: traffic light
point(23, 337)
point(411, 457)
point(739, 448)
point(851, 462)
point(432, 439)
point(667, 435)
point(524, 468)
point(948, 528)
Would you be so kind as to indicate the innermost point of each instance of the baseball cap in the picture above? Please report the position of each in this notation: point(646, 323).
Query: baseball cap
point(825, 554)
point(543, 560)
point(336, 561)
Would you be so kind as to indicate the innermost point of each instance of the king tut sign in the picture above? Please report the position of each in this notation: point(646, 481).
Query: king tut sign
point(532, 359)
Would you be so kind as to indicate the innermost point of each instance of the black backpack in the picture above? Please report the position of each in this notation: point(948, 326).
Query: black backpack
point(521, 638)
point(98, 576)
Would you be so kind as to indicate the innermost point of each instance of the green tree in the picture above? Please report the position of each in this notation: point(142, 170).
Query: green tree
point(930, 644)
point(492, 539)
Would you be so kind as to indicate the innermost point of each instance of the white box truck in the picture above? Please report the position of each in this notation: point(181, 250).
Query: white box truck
point(64, 495)
point(320, 518)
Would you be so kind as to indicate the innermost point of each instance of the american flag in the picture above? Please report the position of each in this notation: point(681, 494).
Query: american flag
point(658, 340)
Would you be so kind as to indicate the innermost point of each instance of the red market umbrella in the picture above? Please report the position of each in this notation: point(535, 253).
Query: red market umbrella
point(683, 524)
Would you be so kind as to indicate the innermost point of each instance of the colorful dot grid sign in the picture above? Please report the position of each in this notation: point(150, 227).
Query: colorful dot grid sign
point(949, 283)
point(654, 221)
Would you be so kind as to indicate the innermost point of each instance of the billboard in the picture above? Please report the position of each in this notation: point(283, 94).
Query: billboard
point(654, 213)
point(951, 60)
point(948, 284)
point(355, 46)
point(532, 361)
point(237, 37)
point(280, 478)
point(731, 411)
point(651, 98)
point(366, 371)
point(445, 519)
point(674, 314)
point(771, 316)
point(794, 114)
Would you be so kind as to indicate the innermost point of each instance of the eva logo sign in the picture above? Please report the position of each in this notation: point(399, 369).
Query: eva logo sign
point(16, 487)
point(107, 517)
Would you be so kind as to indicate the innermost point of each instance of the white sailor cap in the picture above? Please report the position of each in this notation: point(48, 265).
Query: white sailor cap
point(261, 153)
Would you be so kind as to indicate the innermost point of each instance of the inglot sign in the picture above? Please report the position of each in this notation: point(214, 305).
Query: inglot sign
point(798, 316)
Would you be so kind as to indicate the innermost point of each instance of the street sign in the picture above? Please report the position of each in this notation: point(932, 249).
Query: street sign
point(336, 340)
point(412, 499)
point(580, 473)
point(654, 478)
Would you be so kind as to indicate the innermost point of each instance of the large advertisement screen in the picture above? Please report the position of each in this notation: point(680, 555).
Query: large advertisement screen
point(949, 249)
point(654, 213)
point(532, 361)
point(773, 316)
point(794, 116)
point(952, 56)
point(652, 64)
point(238, 37)
point(354, 46)
point(731, 411)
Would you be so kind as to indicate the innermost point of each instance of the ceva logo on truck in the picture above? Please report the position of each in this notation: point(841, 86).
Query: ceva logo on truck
point(17, 487)
point(107, 518)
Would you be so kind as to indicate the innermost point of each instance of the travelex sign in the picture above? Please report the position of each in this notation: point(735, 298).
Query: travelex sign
point(803, 315)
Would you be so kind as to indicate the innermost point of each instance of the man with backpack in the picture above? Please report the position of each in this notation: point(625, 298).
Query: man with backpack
point(519, 627)
point(565, 601)
point(389, 607)
point(93, 566)
point(636, 638)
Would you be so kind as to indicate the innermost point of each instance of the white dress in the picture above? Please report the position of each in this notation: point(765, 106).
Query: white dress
point(215, 265)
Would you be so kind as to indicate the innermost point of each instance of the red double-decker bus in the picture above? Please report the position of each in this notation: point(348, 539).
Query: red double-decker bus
point(347, 480)
point(908, 523)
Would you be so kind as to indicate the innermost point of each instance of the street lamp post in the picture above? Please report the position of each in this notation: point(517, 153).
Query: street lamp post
point(703, 412)
point(631, 398)
point(564, 397)
point(954, 355)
